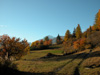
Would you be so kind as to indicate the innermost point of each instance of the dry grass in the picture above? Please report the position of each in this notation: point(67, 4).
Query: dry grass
point(69, 63)
point(28, 64)
point(91, 66)
point(40, 66)
point(69, 69)
point(40, 53)
point(93, 59)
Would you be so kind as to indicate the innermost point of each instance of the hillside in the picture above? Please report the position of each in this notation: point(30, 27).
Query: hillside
point(53, 62)
point(80, 63)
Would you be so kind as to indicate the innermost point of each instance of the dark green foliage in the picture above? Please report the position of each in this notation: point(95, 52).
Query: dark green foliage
point(58, 39)
point(46, 38)
point(73, 35)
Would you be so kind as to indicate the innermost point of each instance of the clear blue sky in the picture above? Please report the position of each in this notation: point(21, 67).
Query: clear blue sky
point(35, 19)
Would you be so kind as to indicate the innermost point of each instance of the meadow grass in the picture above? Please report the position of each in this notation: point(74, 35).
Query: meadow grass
point(70, 68)
point(60, 64)
point(27, 63)
point(40, 53)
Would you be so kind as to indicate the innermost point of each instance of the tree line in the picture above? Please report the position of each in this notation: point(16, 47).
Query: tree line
point(77, 41)
point(42, 44)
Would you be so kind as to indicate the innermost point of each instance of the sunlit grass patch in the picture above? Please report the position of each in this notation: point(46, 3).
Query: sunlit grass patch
point(70, 68)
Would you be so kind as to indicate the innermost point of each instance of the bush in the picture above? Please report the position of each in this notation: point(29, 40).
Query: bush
point(39, 45)
point(68, 46)
point(80, 44)
point(13, 47)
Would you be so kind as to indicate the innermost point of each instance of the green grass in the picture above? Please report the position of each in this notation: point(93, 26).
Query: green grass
point(41, 53)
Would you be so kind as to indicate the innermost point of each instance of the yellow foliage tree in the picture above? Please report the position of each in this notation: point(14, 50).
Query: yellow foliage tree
point(78, 32)
point(97, 20)
point(67, 35)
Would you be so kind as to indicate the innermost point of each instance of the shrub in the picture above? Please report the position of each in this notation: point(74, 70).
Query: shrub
point(80, 44)
point(68, 46)
point(37, 45)
point(13, 46)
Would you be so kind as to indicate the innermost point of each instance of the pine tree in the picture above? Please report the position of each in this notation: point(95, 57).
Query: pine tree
point(58, 39)
point(78, 32)
point(46, 38)
point(67, 35)
point(97, 20)
point(74, 33)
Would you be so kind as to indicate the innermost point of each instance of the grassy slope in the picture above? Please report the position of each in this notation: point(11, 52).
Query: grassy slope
point(64, 64)
point(91, 66)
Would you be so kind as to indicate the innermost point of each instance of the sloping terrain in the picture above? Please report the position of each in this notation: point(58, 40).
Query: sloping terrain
point(82, 63)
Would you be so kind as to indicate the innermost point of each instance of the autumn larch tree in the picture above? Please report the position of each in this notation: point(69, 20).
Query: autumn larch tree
point(78, 32)
point(67, 35)
point(97, 20)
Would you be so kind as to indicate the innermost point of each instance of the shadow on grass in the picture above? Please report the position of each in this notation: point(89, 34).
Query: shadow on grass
point(10, 71)
point(47, 48)
point(6, 70)
point(70, 56)
point(61, 57)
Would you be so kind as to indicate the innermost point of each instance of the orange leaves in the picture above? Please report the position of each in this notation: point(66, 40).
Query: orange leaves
point(83, 41)
point(49, 42)
point(2, 52)
point(98, 20)
point(13, 45)
point(36, 43)
point(41, 44)
point(79, 44)
point(76, 44)
point(96, 26)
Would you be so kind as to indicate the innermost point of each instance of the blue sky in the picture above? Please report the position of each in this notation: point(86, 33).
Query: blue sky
point(35, 19)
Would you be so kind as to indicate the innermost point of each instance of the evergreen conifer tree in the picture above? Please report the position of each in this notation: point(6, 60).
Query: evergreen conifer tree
point(73, 35)
point(58, 39)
